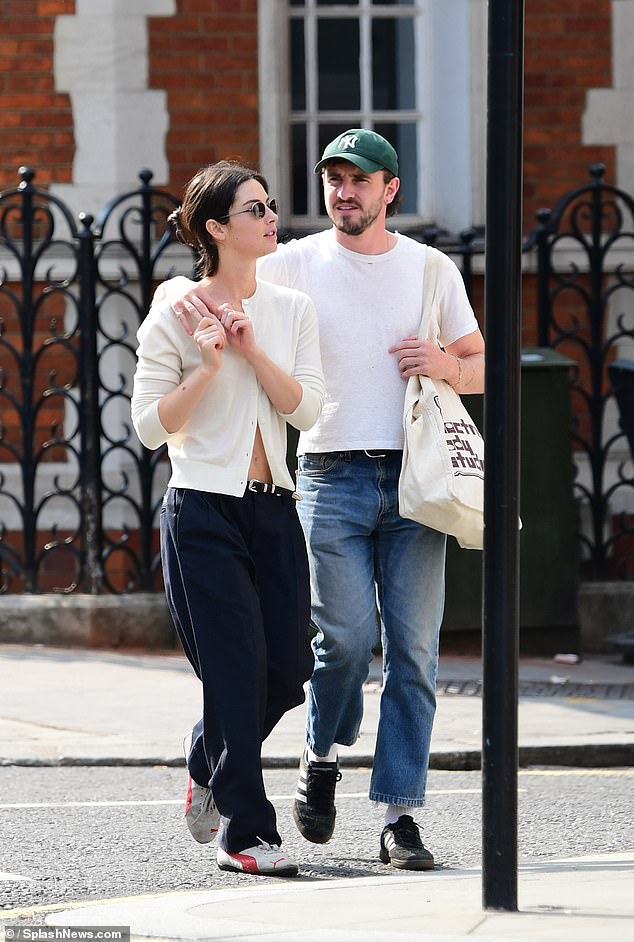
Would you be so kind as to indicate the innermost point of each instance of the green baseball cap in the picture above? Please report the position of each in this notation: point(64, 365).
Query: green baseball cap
point(367, 149)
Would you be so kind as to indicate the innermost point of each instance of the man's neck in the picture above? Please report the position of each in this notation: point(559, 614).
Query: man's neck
point(374, 241)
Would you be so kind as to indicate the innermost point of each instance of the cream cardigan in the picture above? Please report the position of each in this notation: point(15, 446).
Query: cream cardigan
point(212, 451)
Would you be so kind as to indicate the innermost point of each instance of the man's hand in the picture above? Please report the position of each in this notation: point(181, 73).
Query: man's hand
point(191, 308)
point(188, 299)
point(422, 357)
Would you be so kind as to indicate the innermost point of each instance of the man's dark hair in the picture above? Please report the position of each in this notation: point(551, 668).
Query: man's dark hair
point(393, 207)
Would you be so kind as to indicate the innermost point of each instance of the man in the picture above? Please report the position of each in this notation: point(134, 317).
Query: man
point(374, 575)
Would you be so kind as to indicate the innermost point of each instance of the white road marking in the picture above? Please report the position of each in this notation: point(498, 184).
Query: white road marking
point(179, 801)
point(553, 772)
point(89, 804)
point(523, 773)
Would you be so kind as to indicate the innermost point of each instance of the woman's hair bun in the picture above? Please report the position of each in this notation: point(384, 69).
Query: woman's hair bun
point(174, 219)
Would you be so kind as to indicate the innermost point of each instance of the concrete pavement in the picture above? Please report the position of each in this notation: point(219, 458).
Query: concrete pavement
point(77, 706)
point(64, 706)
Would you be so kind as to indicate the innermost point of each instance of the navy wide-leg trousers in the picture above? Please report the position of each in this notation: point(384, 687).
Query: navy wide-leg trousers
point(236, 580)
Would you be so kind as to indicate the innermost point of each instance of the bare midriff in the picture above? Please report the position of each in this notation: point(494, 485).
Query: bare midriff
point(259, 469)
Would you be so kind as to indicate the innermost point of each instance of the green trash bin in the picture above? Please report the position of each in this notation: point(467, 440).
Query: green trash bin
point(549, 568)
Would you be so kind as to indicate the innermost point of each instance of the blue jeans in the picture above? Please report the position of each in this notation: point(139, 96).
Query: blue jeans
point(373, 575)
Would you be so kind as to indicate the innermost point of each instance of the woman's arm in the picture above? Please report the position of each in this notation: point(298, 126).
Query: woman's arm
point(299, 396)
point(284, 392)
point(176, 407)
point(161, 401)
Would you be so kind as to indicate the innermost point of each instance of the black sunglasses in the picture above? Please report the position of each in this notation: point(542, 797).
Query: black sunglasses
point(257, 210)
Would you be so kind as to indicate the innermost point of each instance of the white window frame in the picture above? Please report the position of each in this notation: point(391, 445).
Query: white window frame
point(450, 37)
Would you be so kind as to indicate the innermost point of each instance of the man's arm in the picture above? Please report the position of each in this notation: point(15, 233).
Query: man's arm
point(461, 364)
point(468, 355)
point(189, 300)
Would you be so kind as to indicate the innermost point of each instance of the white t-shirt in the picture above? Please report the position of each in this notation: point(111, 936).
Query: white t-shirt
point(365, 304)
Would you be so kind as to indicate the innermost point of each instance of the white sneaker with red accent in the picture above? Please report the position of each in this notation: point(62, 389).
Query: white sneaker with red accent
point(265, 859)
point(201, 814)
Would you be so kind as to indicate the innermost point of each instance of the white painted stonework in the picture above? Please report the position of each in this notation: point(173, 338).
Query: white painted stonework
point(609, 115)
point(120, 125)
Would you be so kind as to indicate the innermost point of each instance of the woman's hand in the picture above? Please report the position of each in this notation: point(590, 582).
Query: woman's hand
point(238, 330)
point(175, 408)
point(210, 338)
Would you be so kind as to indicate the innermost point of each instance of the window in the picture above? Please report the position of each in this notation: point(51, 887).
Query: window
point(400, 68)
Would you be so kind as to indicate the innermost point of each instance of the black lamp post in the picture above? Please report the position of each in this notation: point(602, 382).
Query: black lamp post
point(500, 630)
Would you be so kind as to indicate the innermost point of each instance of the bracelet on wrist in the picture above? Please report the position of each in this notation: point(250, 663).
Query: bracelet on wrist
point(459, 362)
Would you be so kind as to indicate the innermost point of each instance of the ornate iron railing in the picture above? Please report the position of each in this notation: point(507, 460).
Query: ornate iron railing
point(79, 496)
point(585, 283)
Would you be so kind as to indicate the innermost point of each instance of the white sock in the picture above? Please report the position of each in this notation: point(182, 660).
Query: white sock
point(393, 813)
point(332, 756)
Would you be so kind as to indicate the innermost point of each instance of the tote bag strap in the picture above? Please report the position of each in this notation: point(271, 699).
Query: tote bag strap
point(429, 292)
point(430, 285)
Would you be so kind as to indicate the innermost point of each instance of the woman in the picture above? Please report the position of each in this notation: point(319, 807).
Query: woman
point(233, 553)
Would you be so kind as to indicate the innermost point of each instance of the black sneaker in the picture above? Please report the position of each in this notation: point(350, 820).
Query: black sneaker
point(402, 847)
point(314, 806)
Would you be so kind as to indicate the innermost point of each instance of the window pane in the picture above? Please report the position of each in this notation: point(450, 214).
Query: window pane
point(391, 3)
point(393, 64)
point(328, 132)
point(298, 66)
point(299, 171)
point(403, 139)
point(341, 3)
point(339, 73)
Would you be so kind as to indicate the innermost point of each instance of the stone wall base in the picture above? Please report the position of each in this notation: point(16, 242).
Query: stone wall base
point(604, 609)
point(136, 620)
point(142, 620)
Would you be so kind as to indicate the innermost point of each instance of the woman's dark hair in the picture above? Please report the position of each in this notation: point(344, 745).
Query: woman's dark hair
point(209, 195)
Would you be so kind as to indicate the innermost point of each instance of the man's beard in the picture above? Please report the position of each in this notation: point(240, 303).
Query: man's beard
point(352, 227)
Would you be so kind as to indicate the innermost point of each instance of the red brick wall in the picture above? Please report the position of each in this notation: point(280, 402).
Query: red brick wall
point(205, 58)
point(568, 50)
point(36, 123)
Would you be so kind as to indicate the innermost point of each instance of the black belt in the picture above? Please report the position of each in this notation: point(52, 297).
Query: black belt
point(378, 452)
point(261, 487)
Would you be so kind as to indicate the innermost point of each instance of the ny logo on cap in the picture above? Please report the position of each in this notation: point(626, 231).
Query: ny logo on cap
point(348, 140)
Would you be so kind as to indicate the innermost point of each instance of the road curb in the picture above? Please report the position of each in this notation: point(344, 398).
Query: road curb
point(588, 756)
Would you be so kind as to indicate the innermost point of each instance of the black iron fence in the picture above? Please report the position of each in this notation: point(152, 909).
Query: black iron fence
point(585, 304)
point(79, 497)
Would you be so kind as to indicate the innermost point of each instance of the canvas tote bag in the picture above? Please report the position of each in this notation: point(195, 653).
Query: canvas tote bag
point(442, 476)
